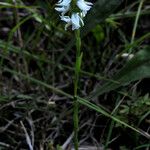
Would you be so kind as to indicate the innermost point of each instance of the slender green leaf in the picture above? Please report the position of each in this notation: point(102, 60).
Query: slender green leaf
point(80, 100)
point(137, 68)
point(107, 114)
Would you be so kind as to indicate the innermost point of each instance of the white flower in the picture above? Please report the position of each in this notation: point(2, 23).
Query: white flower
point(84, 6)
point(63, 6)
point(75, 20)
point(67, 19)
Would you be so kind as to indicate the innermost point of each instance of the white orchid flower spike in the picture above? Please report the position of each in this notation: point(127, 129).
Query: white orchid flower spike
point(76, 18)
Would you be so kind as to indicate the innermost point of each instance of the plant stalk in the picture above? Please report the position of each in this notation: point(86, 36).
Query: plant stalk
point(76, 82)
point(136, 21)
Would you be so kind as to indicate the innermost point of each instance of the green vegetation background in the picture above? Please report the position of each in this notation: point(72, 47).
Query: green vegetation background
point(37, 72)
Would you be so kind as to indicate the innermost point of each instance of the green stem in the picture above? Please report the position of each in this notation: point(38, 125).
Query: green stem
point(76, 81)
point(136, 22)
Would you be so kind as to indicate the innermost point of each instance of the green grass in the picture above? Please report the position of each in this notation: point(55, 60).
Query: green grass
point(40, 84)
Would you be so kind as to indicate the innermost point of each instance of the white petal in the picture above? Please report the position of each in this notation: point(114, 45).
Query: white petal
point(83, 5)
point(60, 9)
point(63, 2)
point(83, 13)
point(88, 3)
point(75, 21)
point(65, 18)
point(67, 25)
point(63, 9)
point(81, 21)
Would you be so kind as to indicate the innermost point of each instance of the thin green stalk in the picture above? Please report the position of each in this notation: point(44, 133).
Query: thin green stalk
point(128, 14)
point(112, 123)
point(76, 81)
point(136, 21)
